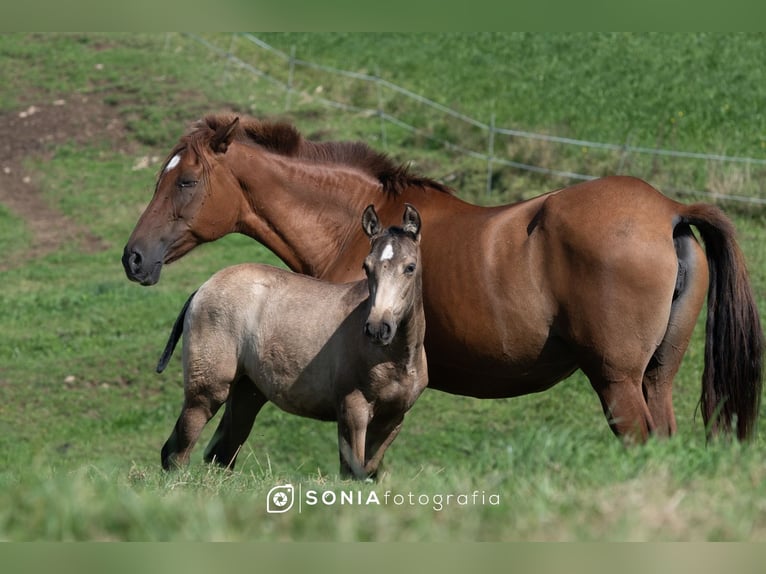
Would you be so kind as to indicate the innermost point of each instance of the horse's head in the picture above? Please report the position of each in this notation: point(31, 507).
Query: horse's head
point(393, 273)
point(189, 206)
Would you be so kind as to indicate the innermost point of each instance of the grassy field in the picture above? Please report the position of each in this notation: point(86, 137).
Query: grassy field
point(83, 415)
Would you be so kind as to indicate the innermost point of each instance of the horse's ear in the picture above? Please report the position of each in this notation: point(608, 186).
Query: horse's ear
point(223, 136)
point(411, 220)
point(370, 222)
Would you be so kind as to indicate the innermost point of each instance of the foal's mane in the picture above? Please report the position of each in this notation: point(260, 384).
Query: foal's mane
point(285, 139)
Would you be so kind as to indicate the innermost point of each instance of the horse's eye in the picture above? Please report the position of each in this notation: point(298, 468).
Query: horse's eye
point(410, 269)
point(186, 183)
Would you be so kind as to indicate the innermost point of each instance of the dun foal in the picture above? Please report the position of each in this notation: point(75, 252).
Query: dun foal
point(351, 353)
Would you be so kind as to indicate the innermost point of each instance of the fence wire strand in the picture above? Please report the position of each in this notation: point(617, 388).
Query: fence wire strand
point(491, 129)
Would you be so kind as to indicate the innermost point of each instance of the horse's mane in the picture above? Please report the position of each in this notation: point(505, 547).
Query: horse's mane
point(285, 139)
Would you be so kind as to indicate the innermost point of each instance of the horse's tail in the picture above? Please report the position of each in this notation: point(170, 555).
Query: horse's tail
point(175, 335)
point(731, 380)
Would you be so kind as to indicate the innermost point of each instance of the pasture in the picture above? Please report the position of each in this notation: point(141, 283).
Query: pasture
point(86, 120)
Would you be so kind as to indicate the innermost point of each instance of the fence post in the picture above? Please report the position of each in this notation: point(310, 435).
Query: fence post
point(490, 153)
point(290, 74)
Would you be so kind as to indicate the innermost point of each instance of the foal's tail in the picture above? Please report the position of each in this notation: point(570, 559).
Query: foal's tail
point(731, 381)
point(175, 335)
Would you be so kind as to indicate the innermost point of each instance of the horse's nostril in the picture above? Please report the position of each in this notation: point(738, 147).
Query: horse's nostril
point(132, 261)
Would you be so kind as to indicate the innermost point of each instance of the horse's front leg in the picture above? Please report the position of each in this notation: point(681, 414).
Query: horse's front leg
point(353, 417)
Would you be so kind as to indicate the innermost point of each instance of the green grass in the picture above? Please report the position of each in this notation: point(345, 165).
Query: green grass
point(83, 416)
point(551, 487)
point(681, 89)
point(14, 236)
point(689, 92)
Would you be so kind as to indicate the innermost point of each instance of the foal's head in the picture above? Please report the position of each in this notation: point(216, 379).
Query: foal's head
point(393, 273)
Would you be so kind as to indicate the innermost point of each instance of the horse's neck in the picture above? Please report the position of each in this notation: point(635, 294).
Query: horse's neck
point(307, 215)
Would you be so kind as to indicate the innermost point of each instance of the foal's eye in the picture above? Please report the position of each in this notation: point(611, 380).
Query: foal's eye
point(410, 269)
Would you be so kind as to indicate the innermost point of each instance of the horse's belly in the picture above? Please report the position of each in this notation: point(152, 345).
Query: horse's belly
point(490, 319)
point(498, 375)
point(465, 381)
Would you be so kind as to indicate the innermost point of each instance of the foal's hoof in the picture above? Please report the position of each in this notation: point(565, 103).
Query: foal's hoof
point(170, 462)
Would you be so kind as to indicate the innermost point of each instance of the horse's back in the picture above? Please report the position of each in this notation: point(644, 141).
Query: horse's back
point(595, 204)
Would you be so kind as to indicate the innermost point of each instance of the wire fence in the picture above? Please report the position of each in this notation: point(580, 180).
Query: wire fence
point(710, 175)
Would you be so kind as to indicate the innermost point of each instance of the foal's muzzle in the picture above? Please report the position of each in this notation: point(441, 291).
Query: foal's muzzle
point(381, 333)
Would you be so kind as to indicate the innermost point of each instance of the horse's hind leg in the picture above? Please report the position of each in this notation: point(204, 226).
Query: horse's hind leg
point(625, 408)
point(243, 405)
point(615, 366)
point(634, 381)
point(687, 303)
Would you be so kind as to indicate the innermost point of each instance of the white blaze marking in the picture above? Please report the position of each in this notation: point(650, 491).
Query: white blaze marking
point(388, 253)
point(173, 162)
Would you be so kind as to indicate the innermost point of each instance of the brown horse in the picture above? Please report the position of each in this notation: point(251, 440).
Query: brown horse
point(300, 343)
point(605, 276)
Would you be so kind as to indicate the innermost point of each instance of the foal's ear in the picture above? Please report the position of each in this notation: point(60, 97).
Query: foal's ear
point(223, 136)
point(370, 222)
point(411, 220)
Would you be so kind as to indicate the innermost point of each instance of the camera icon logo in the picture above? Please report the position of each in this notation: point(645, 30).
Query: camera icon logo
point(280, 499)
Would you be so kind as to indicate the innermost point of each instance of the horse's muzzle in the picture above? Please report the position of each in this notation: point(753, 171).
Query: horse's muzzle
point(137, 269)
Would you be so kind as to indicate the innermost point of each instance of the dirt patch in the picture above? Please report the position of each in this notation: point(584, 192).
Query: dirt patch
point(34, 132)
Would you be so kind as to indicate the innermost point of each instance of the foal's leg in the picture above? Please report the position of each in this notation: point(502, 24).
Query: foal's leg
point(206, 387)
point(242, 406)
point(197, 410)
point(378, 441)
point(354, 416)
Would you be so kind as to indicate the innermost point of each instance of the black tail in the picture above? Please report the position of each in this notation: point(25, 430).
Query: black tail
point(731, 381)
point(175, 335)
